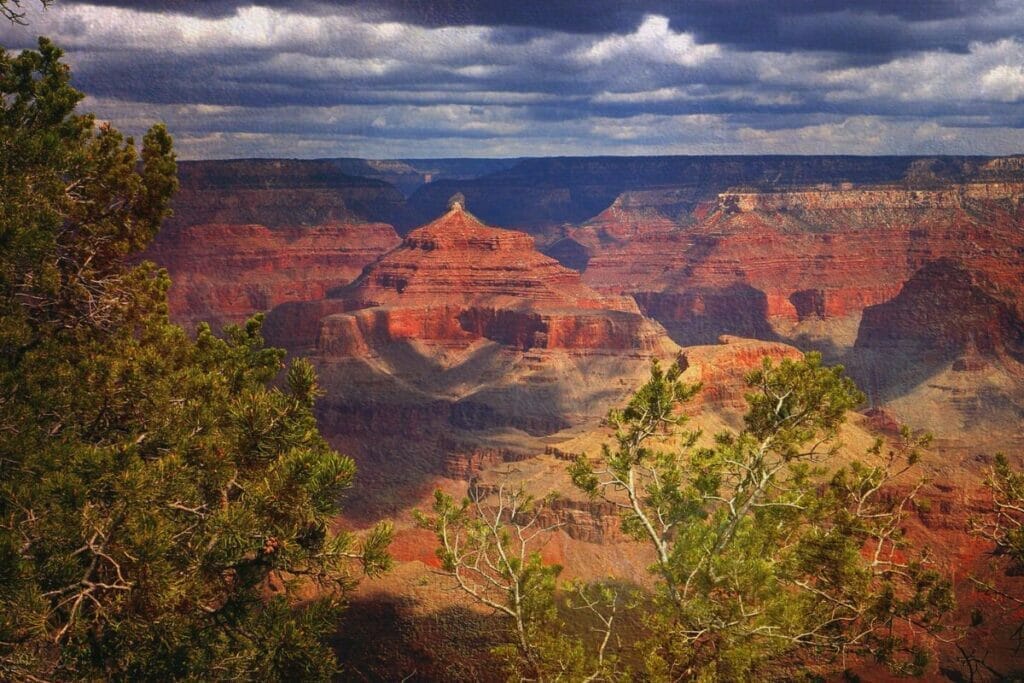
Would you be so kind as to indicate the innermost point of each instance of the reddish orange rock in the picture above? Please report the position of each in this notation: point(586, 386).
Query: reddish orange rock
point(461, 260)
point(457, 280)
point(752, 259)
point(945, 311)
point(224, 273)
point(722, 368)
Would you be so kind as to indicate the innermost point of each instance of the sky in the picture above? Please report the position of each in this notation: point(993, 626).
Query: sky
point(509, 78)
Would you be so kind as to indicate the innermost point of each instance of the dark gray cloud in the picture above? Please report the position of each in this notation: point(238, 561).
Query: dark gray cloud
point(446, 78)
point(856, 27)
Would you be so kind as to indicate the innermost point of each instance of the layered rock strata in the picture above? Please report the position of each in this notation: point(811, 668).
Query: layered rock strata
point(455, 281)
point(223, 273)
point(751, 262)
point(947, 312)
point(947, 354)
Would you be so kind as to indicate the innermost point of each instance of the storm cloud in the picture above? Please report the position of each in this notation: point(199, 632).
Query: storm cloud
point(414, 78)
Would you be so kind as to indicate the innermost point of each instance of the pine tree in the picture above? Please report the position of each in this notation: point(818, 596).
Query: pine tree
point(163, 499)
point(490, 544)
point(767, 563)
point(1003, 526)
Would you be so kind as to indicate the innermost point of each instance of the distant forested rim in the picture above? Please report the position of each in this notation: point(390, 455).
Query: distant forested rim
point(534, 193)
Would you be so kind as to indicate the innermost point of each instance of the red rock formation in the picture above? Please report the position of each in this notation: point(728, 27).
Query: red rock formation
point(249, 234)
point(632, 216)
point(805, 265)
point(459, 259)
point(456, 280)
point(946, 354)
point(773, 257)
point(722, 369)
point(224, 273)
point(641, 220)
point(945, 311)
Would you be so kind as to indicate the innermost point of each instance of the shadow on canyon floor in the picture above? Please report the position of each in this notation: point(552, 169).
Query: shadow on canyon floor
point(386, 638)
point(701, 316)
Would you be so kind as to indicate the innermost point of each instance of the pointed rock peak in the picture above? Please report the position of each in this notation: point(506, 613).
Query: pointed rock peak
point(459, 229)
point(457, 202)
point(455, 219)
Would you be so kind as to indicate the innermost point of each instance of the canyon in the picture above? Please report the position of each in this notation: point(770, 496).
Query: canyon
point(451, 350)
point(225, 272)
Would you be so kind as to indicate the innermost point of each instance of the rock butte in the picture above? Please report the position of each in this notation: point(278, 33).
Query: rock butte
point(947, 354)
point(456, 280)
point(464, 348)
point(984, 326)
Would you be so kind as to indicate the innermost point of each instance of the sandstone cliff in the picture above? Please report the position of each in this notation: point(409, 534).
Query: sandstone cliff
point(456, 280)
point(947, 312)
point(753, 262)
point(223, 273)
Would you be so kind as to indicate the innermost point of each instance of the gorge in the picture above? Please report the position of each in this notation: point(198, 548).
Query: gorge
point(453, 351)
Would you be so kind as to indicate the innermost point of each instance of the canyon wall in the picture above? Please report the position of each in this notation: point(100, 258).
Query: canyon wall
point(463, 353)
point(247, 235)
point(786, 257)
point(223, 273)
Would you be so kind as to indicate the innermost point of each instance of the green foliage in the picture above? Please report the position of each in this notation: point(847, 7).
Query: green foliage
point(1003, 526)
point(1007, 487)
point(762, 559)
point(767, 565)
point(155, 490)
point(490, 546)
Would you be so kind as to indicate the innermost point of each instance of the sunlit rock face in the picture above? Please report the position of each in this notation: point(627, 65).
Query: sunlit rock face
point(464, 346)
point(935, 272)
point(722, 369)
point(223, 273)
point(456, 281)
point(753, 260)
point(247, 235)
